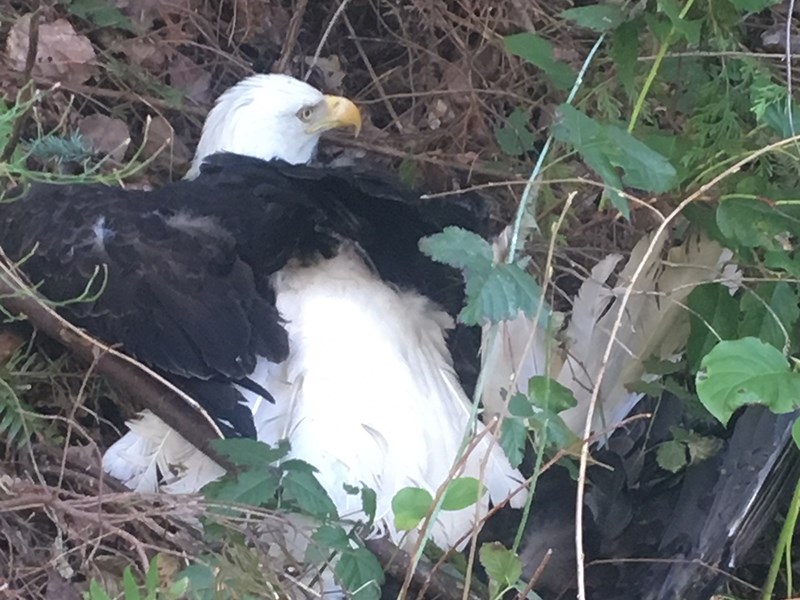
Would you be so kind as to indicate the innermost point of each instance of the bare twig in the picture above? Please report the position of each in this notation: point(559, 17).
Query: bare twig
point(291, 36)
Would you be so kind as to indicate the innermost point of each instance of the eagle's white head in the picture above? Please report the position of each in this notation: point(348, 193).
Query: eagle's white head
point(272, 117)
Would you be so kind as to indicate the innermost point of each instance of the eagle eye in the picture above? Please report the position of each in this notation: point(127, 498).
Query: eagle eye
point(304, 114)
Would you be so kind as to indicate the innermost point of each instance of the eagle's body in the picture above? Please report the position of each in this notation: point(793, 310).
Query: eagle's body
point(260, 279)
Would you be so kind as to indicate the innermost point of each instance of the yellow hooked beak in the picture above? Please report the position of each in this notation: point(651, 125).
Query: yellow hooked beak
point(336, 112)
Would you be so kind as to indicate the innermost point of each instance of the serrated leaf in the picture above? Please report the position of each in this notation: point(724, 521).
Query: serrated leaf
point(598, 17)
point(458, 248)
point(501, 564)
point(249, 487)
point(514, 137)
point(410, 506)
point(769, 312)
point(250, 453)
point(546, 393)
point(539, 52)
point(303, 487)
point(513, 437)
point(461, 492)
point(713, 315)
point(671, 456)
point(361, 574)
point(498, 294)
point(747, 371)
point(606, 148)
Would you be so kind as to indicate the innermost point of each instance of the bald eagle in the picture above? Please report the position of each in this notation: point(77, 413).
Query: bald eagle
point(260, 277)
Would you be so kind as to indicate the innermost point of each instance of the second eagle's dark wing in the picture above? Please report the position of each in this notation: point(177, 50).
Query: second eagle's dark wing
point(169, 285)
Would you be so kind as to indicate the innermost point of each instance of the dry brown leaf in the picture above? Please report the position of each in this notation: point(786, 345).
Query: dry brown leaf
point(61, 55)
point(331, 70)
point(106, 135)
point(144, 53)
point(192, 79)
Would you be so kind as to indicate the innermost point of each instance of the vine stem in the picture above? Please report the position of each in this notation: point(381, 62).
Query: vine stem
point(784, 545)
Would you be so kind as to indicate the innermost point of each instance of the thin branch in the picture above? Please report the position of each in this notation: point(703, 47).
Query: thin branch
point(291, 36)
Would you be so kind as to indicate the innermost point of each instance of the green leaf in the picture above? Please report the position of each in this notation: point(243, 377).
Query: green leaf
point(513, 437)
point(769, 312)
point(178, 588)
point(361, 574)
point(461, 492)
point(498, 293)
point(713, 315)
point(746, 371)
point(100, 12)
point(546, 393)
point(539, 52)
point(494, 291)
point(250, 453)
point(514, 137)
point(501, 564)
point(598, 17)
point(369, 503)
point(753, 6)
point(625, 53)
point(304, 488)
point(129, 585)
point(96, 592)
point(410, 506)
point(755, 224)
point(332, 537)
point(520, 405)
point(458, 248)
point(690, 30)
point(671, 456)
point(606, 148)
point(151, 578)
point(700, 447)
point(250, 487)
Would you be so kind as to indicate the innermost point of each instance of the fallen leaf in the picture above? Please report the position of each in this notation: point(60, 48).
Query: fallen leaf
point(61, 54)
point(106, 135)
point(144, 53)
point(331, 70)
point(192, 79)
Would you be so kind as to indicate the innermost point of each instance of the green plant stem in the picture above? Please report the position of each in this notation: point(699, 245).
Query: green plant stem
point(654, 68)
point(784, 543)
point(528, 195)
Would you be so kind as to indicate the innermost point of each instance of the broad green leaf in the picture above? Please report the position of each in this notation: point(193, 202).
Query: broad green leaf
point(250, 487)
point(671, 456)
point(501, 564)
point(607, 148)
point(514, 137)
point(304, 488)
point(776, 117)
point(539, 52)
point(178, 589)
point(250, 453)
point(546, 393)
point(513, 436)
point(713, 315)
point(151, 578)
point(747, 371)
point(461, 493)
point(769, 312)
point(410, 505)
point(599, 17)
point(458, 248)
point(753, 6)
point(754, 224)
point(361, 574)
point(780, 260)
point(96, 592)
